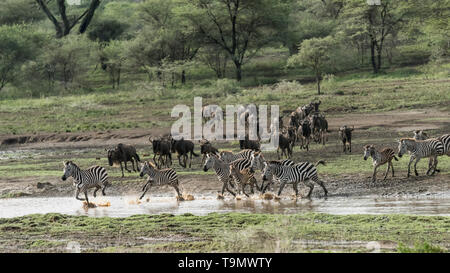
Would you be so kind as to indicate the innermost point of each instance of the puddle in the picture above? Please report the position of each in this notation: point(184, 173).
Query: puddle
point(123, 206)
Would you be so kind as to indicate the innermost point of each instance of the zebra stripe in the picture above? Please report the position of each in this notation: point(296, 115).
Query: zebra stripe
point(242, 174)
point(300, 172)
point(222, 170)
point(94, 177)
point(445, 140)
point(228, 157)
point(419, 149)
point(158, 177)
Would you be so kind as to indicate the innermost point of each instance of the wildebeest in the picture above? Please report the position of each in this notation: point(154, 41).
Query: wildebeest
point(206, 148)
point(304, 134)
point(183, 147)
point(162, 147)
point(249, 144)
point(285, 144)
point(319, 127)
point(124, 153)
point(345, 134)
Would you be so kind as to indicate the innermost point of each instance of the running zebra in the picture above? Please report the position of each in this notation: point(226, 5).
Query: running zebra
point(158, 177)
point(419, 149)
point(222, 170)
point(242, 174)
point(94, 177)
point(300, 172)
point(257, 162)
point(380, 158)
point(228, 156)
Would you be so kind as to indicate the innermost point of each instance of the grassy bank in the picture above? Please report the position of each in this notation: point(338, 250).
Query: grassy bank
point(148, 105)
point(232, 232)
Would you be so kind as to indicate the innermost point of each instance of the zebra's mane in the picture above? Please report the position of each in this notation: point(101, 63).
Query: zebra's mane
point(408, 138)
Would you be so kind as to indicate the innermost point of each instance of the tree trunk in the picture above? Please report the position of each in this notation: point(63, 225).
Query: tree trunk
point(318, 84)
point(183, 77)
point(238, 71)
point(372, 56)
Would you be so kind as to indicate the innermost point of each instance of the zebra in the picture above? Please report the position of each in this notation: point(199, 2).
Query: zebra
point(419, 149)
point(420, 135)
point(94, 177)
point(257, 161)
point(380, 158)
point(300, 172)
point(159, 177)
point(242, 174)
point(445, 139)
point(228, 156)
point(222, 170)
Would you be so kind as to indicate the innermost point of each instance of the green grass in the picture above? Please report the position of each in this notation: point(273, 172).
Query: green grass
point(231, 232)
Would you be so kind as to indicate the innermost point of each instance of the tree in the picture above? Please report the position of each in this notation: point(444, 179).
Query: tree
point(216, 59)
point(314, 53)
point(19, 11)
point(112, 58)
point(18, 45)
point(106, 30)
point(377, 22)
point(66, 24)
point(240, 27)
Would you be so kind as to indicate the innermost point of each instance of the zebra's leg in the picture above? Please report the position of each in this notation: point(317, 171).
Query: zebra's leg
point(387, 170)
point(392, 167)
point(86, 196)
point(295, 188)
point(96, 189)
point(282, 184)
point(434, 166)
point(320, 183)
point(243, 189)
point(146, 187)
point(311, 188)
point(105, 184)
point(415, 166)
point(177, 189)
point(374, 175)
point(78, 193)
point(409, 165)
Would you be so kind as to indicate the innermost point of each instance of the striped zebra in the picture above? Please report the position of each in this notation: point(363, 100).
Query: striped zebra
point(380, 158)
point(158, 177)
point(257, 162)
point(228, 156)
point(419, 149)
point(94, 177)
point(420, 135)
point(445, 139)
point(300, 172)
point(243, 176)
point(222, 170)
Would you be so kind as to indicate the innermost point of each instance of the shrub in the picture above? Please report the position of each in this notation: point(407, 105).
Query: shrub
point(228, 86)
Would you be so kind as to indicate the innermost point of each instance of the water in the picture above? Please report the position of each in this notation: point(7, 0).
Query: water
point(123, 206)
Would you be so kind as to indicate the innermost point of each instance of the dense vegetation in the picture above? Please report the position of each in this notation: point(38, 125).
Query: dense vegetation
point(53, 48)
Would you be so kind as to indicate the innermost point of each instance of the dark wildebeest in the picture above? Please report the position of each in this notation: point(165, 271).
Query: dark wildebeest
point(249, 144)
point(285, 144)
point(124, 153)
point(420, 135)
point(346, 136)
point(304, 133)
point(319, 127)
point(182, 147)
point(206, 148)
point(161, 147)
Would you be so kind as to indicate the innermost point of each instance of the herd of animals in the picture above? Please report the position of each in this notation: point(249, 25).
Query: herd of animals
point(236, 171)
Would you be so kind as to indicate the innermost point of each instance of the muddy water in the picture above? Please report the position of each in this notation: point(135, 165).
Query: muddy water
point(127, 205)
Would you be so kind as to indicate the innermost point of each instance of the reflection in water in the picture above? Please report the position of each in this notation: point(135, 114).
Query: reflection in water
point(122, 206)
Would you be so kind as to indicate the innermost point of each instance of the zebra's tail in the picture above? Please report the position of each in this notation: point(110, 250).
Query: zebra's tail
point(396, 159)
point(320, 162)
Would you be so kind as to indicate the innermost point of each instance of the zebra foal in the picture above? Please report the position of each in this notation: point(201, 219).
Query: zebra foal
point(159, 177)
point(419, 149)
point(94, 177)
point(380, 158)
